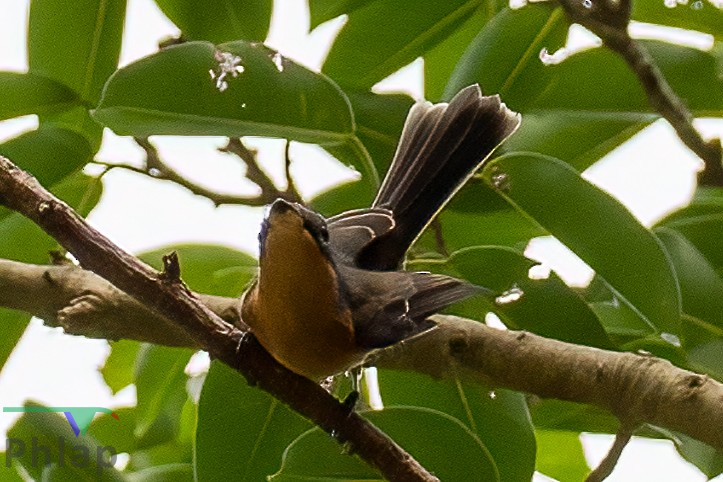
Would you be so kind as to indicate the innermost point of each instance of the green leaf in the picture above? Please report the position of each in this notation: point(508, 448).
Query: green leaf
point(706, 358)
point(703, 15)
point(79, 455)
point(209, 268)
point(379, 121)
point(22, 94)
point(548, 307)
point(573, 417)
point(505, 54)
point(82, 56)
point(440, 61)
point(219, 20)
point(414, 428)
point(118, 369)
point(597, 228)
point(701, 287)
point(172, 93)
point(702, 455)
point(620, 320)
point(49, 153)
point(161, 387)
point(560, 456)
point(382, 36)
point(235, 418)
point(578, 138)
point(499, 418)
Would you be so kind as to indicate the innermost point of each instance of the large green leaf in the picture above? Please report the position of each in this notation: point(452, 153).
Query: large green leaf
point(22, 94)
point(76, 43)
point(208, 268)
point(172, 93)
point(440, 61)
point(461, 457)
point(597, 228)
point(381, 36)
point(499, 418)
point(219, 20)
point(161, 386)
point(701, 286)
point(242, 432)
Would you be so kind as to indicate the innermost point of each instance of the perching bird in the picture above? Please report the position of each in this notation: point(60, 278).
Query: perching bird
point(329, 291)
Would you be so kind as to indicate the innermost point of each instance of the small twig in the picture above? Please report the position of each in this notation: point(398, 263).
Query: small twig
point(157, 169)
point(291, 190)
point(609, 20)
point(254, 173)
point(608, 464)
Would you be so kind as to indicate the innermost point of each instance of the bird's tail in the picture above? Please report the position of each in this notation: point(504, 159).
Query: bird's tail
point(441, 146)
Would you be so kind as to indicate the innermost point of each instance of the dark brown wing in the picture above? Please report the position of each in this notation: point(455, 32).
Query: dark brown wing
point(390, 306)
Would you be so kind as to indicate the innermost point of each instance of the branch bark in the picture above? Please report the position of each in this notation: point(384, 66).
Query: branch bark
point(167, 296)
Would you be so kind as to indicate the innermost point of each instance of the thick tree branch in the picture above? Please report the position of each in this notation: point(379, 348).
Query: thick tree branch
point(636, 388)
point(609, 19)
point(171, 299)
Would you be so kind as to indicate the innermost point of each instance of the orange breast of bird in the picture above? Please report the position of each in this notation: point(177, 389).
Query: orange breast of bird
point(295, 309)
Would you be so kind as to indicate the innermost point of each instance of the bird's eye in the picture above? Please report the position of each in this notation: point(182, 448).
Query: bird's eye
point(324, 233)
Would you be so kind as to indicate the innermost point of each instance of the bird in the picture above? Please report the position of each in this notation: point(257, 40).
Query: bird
point(330, 291)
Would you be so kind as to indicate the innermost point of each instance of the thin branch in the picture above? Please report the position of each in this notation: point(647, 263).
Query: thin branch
point(257, 175)
point(608, 464)
point(291, 190)
point(609, 20)
point(156, 168)
point(171, 299)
